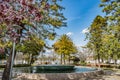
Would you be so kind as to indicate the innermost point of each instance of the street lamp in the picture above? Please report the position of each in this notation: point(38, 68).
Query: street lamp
point(12, 61)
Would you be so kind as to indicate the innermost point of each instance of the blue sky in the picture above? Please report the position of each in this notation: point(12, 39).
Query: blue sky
point(79, 14)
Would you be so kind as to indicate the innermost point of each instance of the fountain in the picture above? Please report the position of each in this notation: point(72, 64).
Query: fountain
point(54, 72)
point(46, 69)
point(53, 69)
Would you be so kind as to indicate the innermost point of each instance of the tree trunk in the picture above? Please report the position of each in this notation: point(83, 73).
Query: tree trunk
point(115, 61)
point(31, 59)
point(98, 58)
point(61, 59)
point(69, 59)
point(64, 58)
point(102, 60)
point(6, 73)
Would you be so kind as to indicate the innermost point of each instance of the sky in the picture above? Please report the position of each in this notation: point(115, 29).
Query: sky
point(80, 14)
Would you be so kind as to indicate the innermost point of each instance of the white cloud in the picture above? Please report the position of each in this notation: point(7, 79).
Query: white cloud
point(86, 30)
point(69, 33)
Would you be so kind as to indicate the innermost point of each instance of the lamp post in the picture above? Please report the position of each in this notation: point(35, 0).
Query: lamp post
point(12, 61)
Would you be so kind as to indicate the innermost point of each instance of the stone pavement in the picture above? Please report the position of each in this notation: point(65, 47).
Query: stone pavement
point(112, 75)
point(108, 75)
point(0, 75)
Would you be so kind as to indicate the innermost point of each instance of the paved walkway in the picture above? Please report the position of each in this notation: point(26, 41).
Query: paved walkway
point(0, 75)
point(112, 75)
point(109, 75)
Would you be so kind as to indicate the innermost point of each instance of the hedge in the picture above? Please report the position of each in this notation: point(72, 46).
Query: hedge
point(18, 65)
point(105, 65)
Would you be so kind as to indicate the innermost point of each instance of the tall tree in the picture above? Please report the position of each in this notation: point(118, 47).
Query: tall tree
point(19, 17)
point(112, 10)
point(65, 47)
point(32, 47)
point(95, 35)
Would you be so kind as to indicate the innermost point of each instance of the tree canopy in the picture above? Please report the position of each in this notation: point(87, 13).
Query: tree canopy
point(64, 46)
point(21, 18)
point(104, 33)
point(96, 31)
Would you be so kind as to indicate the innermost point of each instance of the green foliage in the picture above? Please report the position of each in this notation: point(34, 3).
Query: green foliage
point(83, 63)
point(104, 36)
point(4, 45)
point(31, 48)
point(112, 10)
point(29, 17)
point(18, 65)
point(95, 35)
point(2, 56)
point(33, 45)
point(64, 45)
point(50, 18)
point(22, 65)
point(111, 39)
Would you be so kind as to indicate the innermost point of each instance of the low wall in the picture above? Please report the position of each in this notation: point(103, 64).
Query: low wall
point(56, 76)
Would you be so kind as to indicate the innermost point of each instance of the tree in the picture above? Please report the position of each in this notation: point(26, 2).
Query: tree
point(95, 35)
point(109, 46)
point(18, 18)
point(112, 10)
point(65, 47)
point(32, 47)
point(109, 39)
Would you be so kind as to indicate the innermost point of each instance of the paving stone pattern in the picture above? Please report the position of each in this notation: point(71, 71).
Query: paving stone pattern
point(57, 76)
point(108, 75)
point(0, 75)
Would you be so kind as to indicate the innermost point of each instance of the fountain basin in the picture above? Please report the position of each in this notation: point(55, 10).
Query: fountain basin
point(53, 67)
point(78, 73)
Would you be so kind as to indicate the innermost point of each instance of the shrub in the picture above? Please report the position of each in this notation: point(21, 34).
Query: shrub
point(18, 65)
point(2, 66)
point(83, 63)
point(22, 65)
